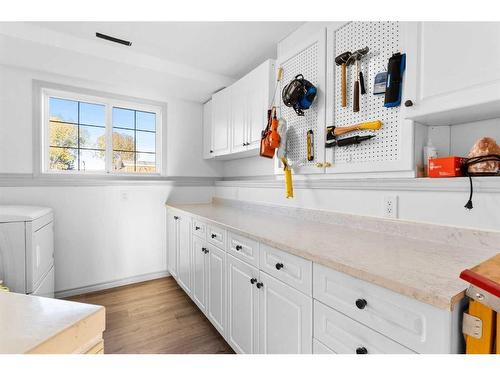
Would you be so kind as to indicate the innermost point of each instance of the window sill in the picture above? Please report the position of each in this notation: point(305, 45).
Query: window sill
point(55, 179)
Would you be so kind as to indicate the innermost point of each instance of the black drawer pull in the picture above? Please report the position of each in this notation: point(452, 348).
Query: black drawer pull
point(238, 247)
point(279, 266)
point(361, 303)
point(204, 249)
point(213, 235)
point(361, 350)
point(253, 280)
point(176, 217)
point(259, 285)
point(197, 228)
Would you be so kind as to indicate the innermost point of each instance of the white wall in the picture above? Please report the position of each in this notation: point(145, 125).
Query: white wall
point(106, 232)
point(440, 205)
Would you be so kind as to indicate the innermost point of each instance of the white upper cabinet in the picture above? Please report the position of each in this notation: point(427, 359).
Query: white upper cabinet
point(239, 113)
point(452, 72)
point(221, 122)
point(207, 130)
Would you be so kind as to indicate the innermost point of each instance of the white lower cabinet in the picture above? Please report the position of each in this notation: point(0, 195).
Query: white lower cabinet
point(346, 336)
point(184, 267)
point(242, 306)
point(172, 242)
point(285, 318)
point(200, 272)
point(217, 288)
point(320, 348)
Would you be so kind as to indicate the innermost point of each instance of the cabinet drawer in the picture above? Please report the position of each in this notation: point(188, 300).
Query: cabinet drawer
point(244, 248)
point(291, 269)
point(319, 348)
point(216, 236)
point(199, 229)
point(346, 336)
point(416, 325)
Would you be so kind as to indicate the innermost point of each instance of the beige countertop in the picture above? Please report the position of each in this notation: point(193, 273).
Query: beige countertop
point(27, 322)
point(427, 271)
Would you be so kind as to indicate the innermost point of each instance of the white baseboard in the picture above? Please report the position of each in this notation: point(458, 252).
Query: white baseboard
point(111, 284)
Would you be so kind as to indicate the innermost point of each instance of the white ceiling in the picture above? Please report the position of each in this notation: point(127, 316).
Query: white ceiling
point(226, 48)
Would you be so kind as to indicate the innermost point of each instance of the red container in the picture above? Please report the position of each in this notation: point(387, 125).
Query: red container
point(446, 167)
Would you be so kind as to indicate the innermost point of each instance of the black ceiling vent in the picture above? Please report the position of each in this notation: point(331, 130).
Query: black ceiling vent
point(113, 39)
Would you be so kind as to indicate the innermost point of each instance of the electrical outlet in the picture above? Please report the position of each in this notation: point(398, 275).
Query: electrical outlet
point(391, 206)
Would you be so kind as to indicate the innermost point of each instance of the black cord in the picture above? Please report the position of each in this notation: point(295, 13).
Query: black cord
point(476, 160)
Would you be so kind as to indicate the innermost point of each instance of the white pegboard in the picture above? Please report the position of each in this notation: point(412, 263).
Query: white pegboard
point(383, 39)
point(307, 63)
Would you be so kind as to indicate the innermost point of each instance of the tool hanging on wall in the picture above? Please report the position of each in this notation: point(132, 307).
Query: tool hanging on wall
point(379, 83)
point(299, 94)
point(333, 132)
point(354, 140)
point(268, 137)
point(393, 87)
point(281, 154)
point(310, 145)
point(359, 81)
point(341, 60)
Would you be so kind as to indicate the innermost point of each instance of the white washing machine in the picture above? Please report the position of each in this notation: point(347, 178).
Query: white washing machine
point(27, 249)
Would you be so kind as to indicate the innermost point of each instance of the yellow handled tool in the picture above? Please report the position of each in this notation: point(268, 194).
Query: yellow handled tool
point(288, 178)
point(369, 125)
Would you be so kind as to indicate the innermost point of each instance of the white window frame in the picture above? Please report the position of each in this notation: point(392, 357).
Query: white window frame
point(109, 103)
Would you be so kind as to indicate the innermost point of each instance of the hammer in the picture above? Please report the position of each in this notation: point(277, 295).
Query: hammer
point(332, 132)
point(341, 60)
point(355, 57)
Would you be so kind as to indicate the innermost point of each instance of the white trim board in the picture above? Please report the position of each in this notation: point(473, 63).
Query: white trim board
point(460, 184)
point(111, 284)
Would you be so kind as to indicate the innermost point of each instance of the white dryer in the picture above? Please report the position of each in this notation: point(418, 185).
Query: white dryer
point(27, 249)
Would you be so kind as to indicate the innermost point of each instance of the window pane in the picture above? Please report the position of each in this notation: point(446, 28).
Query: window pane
point(62, 134)
point(123, 118)
point(91, 114)
point(92, 160)
point(146, 163)
point(123, 140)
point(145, 141)
point(146, 121)
point(63, 158)
point(63, 110)
point(123, 161)
point(92, 137)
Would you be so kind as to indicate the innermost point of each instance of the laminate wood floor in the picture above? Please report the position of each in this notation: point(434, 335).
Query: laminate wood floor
point(154, 317)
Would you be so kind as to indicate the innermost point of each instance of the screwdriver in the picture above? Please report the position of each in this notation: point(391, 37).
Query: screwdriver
point(352, 140)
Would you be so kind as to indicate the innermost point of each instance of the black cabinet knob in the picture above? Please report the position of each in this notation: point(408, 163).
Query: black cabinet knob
point(408, 103)
point(279, 266)
point(176, 217)
point(253, 280)
point(211, 151)
point(205, 250)
point(213, 235)
point(259, 285)
point(361, 303)
point(238, 247)
point(197, 228)
point(361, 350)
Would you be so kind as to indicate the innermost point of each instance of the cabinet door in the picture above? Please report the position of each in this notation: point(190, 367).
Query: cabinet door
point(200, 270)
point(285, 318)
point(172, 243)
point(260, 90)
point(184, 254)
point(238, 116)
point(217, 288)
point(242, 300)
point(221, 122)
point(207, 130)
point(449, 70)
